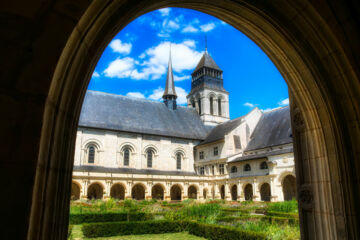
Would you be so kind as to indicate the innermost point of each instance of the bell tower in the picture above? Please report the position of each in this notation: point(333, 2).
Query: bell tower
point(207, 93)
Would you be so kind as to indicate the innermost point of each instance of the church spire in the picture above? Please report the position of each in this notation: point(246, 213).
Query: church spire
point(169, 95)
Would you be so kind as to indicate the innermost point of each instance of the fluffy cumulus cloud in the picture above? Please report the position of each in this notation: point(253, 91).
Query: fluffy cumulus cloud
point(158, 93)
point(164, 11)
point(95, 74)
point(120, 47)
point(207, 27)
point(284, 102)
point(189, 29)
point(135, 94)
point(181, 78)
point(120, 68)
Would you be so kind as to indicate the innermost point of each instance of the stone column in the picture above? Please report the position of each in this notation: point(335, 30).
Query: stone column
point(217, 192)
point(239, 193)
point(185, 191)
point(85, 188)
point(129, 188)
point(167, 196)
point(227, 192)
point(148, 190)
point(272, 190)
point(107, 189)
point(201, 191)
point(255, 190)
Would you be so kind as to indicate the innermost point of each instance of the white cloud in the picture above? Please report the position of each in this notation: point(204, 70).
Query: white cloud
point(189, 29)
point(164, 11)
point(95, 74)
point(181, 95)
point(158, 93)
point(173, 25)
point(247, 104)
point(135, 94)
point(284, 102)
point(119, 47)
point(142, 56)
point(120, 68)
point(207, 27)
point(182, 78)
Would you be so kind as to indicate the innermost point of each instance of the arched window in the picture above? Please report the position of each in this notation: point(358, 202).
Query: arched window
point(126, 156)
point(199, 103)
point(247, 168)
point(91, 154)
point(211, 105)
point(149, 157)
point(233, 169)
point(178, 161)
point(219, 107)
point(263, 165)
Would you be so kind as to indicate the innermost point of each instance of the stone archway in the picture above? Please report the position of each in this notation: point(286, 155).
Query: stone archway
point(234, 192)
point(265, 192)
point(192, 192)
point(117, 191)
point(95, 191)
point(289, 187)
point(75, 191)
point(157, 192)
point(222, 192)
point(248, 192)
point(314, 45)
point(175, 193)
point(138, 192)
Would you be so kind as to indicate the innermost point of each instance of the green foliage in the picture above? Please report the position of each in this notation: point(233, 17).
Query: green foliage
point(240, 218)
point(281, 220)
point(132, 228)
point(287, 206)
point(215, 232)
point(109, 217)
point(283, 214)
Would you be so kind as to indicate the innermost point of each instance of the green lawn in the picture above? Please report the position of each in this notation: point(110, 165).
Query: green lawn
point(77, 235)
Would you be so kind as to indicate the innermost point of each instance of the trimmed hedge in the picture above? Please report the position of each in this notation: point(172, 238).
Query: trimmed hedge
point(282, 214)
point(281, 220)
point(92, 230)
point(108, 217)
point(213, 232)
point(234, 219)
point(216, 232)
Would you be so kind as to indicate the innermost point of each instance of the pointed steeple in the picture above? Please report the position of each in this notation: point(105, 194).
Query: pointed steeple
point(169, 95)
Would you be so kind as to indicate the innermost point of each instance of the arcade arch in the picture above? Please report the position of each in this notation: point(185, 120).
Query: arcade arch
point(248, 192)
point(138, 192)
point(234, 192)
point(192, 192)
point(175, 192)
point(265, 192)
point(313, 46)
point(157, 192)
point(95, 191)
point(289, 187)
point(117, 191)
point(75, 191)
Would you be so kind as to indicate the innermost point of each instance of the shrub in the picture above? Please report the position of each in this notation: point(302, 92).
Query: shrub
point(281, 220)
point(208, 231)
point(287, 206)
point(132, 228)
point(109, 217)
point(240, 218)
point(215, 232)
point(204, 212)
point(282, 214)
point(70, 231)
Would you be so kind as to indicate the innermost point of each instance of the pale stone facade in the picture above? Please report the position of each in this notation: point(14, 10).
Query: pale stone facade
point(169, 152)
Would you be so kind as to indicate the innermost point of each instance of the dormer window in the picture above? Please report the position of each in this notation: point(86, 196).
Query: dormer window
point(247, 168)
point(233, 169)
point(264, 165)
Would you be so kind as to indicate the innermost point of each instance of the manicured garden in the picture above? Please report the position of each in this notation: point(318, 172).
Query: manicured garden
point(188, 219)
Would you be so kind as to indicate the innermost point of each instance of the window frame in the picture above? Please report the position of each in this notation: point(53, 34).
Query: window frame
point(232, 169)
point(202, 170)
point(126, 158)
point(247, 168)
point(222, 169)
point(201, 155)
point(149, 156)
point(262, 164)
point(216, 151)
point(178, 161)
point(91, 154)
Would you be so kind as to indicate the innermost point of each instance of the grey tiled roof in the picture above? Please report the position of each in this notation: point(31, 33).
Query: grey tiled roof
point(219, 132)
point(120, 113)
point(262, 155)
point(274, 128)
point(88, 168)
point(207, 61)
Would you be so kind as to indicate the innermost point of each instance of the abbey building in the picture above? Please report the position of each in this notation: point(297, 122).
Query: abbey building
point(141, 149)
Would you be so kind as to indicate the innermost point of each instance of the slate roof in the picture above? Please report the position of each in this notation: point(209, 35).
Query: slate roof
point(207, 61)
point(87, 168)
point(262, 155)
point(219, 132)
point(120, 113)
point(273, 128)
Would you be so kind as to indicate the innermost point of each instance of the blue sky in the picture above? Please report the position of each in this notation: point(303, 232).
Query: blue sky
point(135, 62)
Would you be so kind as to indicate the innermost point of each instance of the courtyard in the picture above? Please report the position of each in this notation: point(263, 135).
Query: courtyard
point(189, 219)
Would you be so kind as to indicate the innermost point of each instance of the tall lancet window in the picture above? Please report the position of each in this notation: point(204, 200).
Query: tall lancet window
point(126, 156)
point(178, 161)
point(199, 103)
point(211, 106)
point(91, 154)
point(219, 107)
point(149, 156)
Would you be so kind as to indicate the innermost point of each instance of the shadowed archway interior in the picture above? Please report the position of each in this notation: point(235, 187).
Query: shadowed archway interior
point(49, 53)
